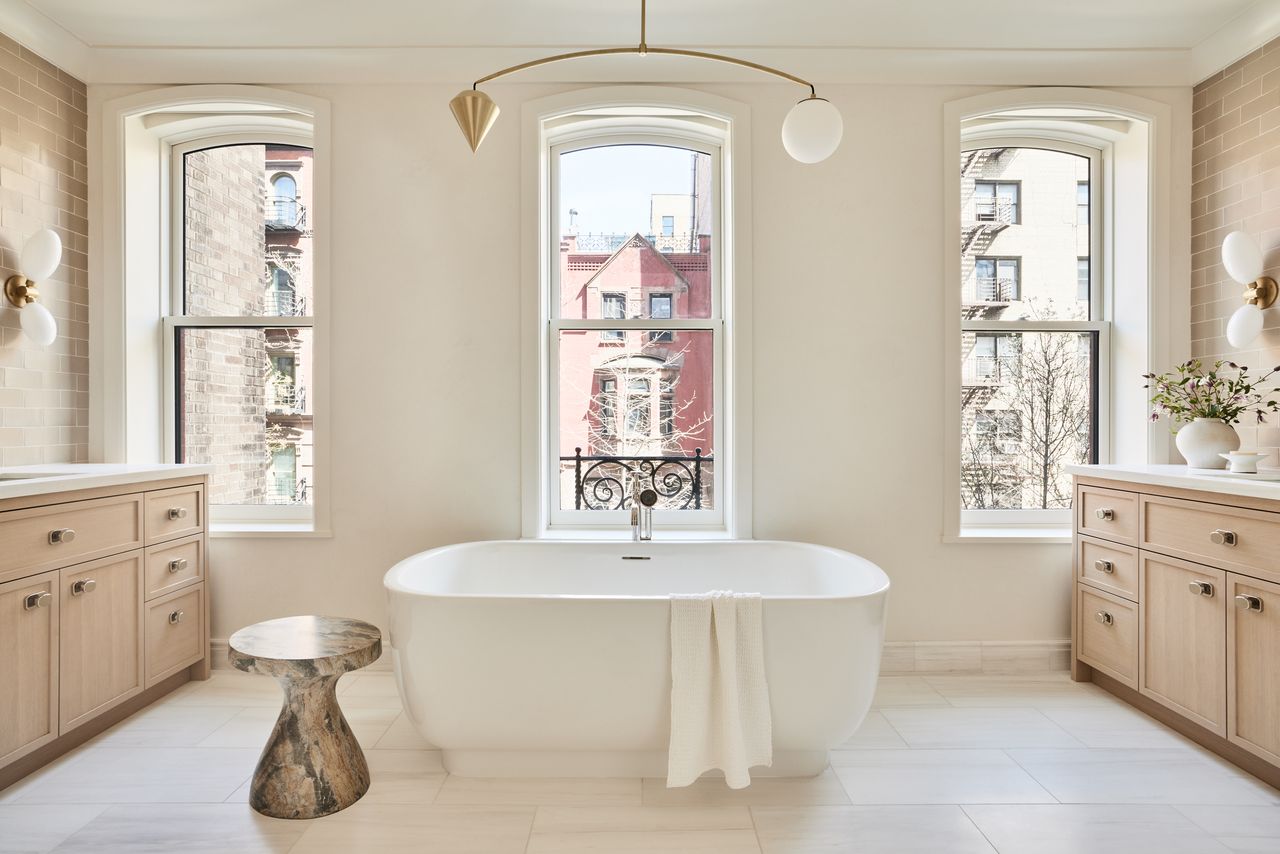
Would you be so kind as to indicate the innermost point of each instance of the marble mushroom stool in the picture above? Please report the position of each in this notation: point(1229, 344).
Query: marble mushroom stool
point(312, 765)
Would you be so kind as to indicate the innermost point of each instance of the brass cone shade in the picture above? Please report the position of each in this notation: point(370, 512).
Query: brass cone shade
point(476, 112)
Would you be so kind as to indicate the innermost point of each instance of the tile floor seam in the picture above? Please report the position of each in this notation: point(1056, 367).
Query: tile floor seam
point(978, 827)
point(528, 839)
point(1033, 777)
point(755, 828)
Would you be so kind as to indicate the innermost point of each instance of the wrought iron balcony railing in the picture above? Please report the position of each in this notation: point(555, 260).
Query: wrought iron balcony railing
point(996, 290)
point(1000, 210)
point(605, 482)
point(284, 304)
point(285, 213)
point(607, 244)
point(286, 397)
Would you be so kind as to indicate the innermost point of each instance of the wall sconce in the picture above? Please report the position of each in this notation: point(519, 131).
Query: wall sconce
point(40, 257)
point(1243, 260)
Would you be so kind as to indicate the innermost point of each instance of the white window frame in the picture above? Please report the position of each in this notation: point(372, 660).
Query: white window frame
point(979, 521)
point(559, 519)
point(613, 109)
point(226, 514)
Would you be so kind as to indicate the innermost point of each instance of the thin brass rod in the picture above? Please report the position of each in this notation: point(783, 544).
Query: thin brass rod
point(668, 51)
point(643, 26)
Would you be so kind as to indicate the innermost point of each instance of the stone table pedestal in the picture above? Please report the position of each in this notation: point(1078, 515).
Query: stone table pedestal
point(312, 765)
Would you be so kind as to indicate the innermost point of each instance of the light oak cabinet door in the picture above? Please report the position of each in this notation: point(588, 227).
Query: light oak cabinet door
point(1182, 652)
point(101, 656)
point(1253, 665)
point(28, 665)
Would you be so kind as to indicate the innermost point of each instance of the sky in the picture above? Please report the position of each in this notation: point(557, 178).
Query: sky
point(610, 186)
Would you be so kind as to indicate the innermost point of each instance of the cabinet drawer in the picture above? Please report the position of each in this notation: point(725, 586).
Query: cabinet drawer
point(173, 513)
point(62, 534)
point(174, 633)
point(1229, 537)
point(1108, 513)
point(100, 655)
point(1253, 679)
point(1112, 567)
point(1183, 638)
point(29, 665)
point(173, 565)
point(1108, 634)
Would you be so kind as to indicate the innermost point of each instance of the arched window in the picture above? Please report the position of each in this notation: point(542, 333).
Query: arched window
point(283, 209)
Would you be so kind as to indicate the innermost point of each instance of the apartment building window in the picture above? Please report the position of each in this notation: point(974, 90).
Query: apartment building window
point(635, 337)
point(997, 201)
point(1032, 333)
point(997, 279)
point(239, 352)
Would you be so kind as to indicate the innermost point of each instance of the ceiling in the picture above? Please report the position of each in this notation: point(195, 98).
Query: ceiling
point(1000, 24)
point(1027, 42)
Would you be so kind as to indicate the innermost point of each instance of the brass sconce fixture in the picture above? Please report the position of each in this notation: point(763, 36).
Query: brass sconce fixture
point(1244, 263)
point(40, 257)
point(811, 132)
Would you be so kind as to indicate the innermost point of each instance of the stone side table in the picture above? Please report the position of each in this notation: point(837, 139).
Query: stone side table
point(312, 765)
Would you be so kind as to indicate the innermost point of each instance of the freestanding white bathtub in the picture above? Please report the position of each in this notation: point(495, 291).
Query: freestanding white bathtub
point(543, 658)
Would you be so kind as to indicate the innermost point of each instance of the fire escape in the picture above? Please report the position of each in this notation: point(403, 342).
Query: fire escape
point(981, 222)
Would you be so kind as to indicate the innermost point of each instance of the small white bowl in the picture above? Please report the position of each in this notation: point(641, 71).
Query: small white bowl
point(1243, 462)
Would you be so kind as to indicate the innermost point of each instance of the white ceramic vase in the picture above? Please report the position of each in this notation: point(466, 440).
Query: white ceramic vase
point(1203, 440)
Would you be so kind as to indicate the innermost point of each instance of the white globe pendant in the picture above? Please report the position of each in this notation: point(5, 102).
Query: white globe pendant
point(38, 324)
point(812, 130)
point(41, 255)
point(1244, 326)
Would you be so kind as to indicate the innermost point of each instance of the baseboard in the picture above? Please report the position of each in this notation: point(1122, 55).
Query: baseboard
point(901, 657)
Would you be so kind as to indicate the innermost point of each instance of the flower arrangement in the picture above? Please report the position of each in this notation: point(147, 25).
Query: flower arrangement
point(1223, 393)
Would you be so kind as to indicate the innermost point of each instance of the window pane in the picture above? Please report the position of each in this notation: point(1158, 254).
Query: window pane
point(1028, 413)
point(1024, 204)
point(244, 406)
point(635, 219)
point(246, 232)
point(640, 411)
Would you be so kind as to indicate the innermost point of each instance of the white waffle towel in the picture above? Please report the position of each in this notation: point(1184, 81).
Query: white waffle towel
point(720, 714)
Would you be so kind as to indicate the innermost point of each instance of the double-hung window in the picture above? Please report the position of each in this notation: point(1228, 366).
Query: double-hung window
point(635, 335)
point(238, 338)
point(1033, 340)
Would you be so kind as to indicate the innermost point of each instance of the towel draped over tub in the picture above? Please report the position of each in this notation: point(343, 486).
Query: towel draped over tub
point(720, 715)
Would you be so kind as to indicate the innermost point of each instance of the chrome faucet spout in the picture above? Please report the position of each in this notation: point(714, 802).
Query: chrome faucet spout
point(642, 501)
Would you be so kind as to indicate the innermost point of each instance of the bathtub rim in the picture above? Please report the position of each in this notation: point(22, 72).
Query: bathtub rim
point(391, 579)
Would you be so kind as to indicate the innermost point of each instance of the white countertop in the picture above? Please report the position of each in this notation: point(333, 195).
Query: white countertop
point(1185, 478)
point(21, 481)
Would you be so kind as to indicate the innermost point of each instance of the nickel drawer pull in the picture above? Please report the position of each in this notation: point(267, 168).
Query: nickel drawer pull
point(176, 617)
point(83, 586)
point(1105, 618)
point(1249, 603)
point(37, 600)
point(176, 513)
point(1106, 514)
point(1104, 566)
point(1201, 588)
point(62, 535)
point(1223, 538)
point(178, 564)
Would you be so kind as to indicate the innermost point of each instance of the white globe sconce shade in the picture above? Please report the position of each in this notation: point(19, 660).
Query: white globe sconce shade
point(812, 130)
point(40, 258)
point(1244, 263)
point(38, 324)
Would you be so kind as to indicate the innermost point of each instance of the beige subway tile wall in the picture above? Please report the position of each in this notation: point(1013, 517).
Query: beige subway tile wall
point(1236, 185)
point(44, 391)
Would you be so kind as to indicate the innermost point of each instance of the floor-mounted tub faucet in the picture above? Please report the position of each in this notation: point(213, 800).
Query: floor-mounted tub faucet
point(642, 501)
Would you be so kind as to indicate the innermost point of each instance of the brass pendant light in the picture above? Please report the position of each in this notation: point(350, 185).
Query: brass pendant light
point(810, 133)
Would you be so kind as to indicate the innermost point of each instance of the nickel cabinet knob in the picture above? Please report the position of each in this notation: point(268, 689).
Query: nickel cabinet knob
point(1104, 618)
point(37, 600)
point(1223, 538)
point(176, 617)
point(1249, 603)
point(1106, 514)
point(83, 586)
point(176, 513)
point(1104, 566)
point(178, 564)
point(62, 535)
point(1201, 588)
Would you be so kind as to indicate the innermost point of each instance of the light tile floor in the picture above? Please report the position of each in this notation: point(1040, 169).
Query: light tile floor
point(951, 764)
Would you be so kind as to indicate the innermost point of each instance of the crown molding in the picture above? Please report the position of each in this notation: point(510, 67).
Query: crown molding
point(1236, 39)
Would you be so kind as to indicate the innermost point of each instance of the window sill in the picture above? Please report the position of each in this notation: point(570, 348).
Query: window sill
point(228, 530)
point(1017, 534)
point(617, 535)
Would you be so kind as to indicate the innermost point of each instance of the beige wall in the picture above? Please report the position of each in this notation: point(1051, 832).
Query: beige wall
point(1236, 185)
point(44, 391)
point(425, 356)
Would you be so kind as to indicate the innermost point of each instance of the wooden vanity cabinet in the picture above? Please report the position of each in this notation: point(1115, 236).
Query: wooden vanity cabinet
point(1206, 650)
point(83, 576)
